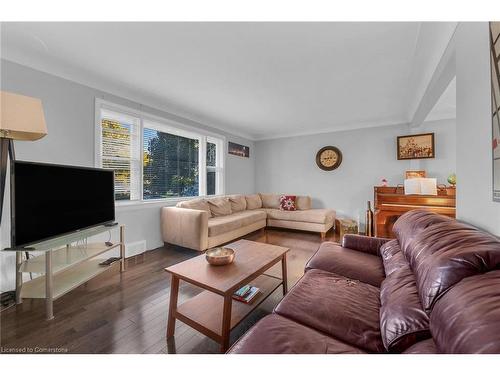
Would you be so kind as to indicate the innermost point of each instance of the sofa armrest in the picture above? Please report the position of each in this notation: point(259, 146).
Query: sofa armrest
point(185, 227)
point(365, 244)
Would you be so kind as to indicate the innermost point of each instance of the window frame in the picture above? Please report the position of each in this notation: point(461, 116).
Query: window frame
point(162, 124)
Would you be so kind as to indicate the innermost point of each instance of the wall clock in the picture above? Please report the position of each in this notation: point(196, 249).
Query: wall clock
point(329, 158)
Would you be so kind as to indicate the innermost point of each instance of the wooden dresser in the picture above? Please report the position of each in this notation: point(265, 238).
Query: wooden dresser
point(391, 202)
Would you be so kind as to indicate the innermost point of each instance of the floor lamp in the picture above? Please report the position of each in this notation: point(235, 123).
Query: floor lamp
point(21, 118)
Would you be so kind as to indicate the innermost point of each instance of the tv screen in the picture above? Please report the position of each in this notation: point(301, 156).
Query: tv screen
point(49, 200)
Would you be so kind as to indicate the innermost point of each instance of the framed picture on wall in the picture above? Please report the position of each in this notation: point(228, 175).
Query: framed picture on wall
point(416, 146)
point(495, 105)
point(415, 174)
point(238, 150)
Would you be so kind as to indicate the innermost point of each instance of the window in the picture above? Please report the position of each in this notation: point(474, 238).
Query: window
point(171, 165)
point(153, 159)
point(120, 138)
point(215, 176)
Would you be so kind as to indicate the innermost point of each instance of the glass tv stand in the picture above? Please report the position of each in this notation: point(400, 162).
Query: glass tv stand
point(66, 262)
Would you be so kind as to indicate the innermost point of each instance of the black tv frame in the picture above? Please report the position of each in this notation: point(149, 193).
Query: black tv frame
point(13, 201)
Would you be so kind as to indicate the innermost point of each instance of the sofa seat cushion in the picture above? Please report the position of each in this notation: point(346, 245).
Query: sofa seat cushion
point(422, 347)
point(346, 262)
point(337, 306)
point(275, 334)
point(317, 215)
point(223, 224)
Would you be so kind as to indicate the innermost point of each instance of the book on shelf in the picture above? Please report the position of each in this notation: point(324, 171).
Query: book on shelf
point(246, 294)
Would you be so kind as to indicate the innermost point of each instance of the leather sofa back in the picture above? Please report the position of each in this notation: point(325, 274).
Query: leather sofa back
point(457, 272)
point(448, 252)
point(412, 223)
point(467, 318)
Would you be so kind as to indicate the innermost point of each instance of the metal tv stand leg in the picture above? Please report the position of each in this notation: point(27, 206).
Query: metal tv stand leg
point(49, 286)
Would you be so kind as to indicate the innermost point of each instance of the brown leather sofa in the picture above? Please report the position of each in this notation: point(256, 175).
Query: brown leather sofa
point(433, 289)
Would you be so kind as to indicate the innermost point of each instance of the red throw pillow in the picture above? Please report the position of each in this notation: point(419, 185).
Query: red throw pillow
point(287, 202)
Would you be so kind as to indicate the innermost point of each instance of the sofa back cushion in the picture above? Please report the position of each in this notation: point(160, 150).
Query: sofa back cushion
point(238, 203)
point(253, 201)
point(412, 223)
point(270, 200)
point(467, 318)
point(403, 321)
point(195, 204)
point(303, 202)
point(392, 257)
point(448, 252)
point(219, 206)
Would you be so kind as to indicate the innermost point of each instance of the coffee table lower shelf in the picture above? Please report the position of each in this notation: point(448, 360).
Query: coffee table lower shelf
point(204, 311)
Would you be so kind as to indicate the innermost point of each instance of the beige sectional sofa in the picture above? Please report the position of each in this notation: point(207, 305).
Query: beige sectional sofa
point(203, 223)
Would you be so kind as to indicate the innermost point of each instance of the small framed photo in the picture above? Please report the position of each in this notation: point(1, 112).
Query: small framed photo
point(238, 150)
point(416, 146)
point(415, 174)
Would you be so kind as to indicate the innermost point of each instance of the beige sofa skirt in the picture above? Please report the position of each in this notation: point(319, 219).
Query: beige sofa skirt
point(299, 225)
point(229, 236)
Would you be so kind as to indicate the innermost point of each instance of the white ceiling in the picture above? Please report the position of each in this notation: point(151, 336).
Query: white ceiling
point(261, 80)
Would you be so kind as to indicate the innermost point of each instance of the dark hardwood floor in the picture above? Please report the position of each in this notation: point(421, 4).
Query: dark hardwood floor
point(127, 313)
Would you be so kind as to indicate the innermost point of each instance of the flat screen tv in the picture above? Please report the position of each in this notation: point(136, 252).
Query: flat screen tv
point(49, 200)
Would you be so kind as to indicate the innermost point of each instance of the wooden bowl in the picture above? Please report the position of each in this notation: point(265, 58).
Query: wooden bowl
point(219, 256)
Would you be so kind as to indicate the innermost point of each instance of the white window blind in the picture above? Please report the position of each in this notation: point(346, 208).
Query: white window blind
point(171, 163)
point(120, 139)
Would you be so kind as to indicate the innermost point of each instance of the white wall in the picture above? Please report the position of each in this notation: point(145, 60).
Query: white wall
point(474, 130)
point(288, 165)
point(445, 136)
point(69, 112)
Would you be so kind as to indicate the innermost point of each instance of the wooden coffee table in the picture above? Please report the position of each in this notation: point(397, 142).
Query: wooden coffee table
point(214, 312)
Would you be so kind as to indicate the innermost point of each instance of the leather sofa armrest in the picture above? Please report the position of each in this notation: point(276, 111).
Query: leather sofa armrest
point(185, 227)
point(365, 244)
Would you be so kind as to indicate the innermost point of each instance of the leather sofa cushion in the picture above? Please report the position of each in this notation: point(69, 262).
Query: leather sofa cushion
point(467, 318)
point(223, 224)
point(345, 309)
point(253, 201)
point(412, 223)
point(238, 203)
point(319, 216)
point(303, 202)
point(270, 200)
point(448, 252)
point(196, 204)
point(422, 347)
point(403, 321)
point(275, 334)
point(392, 257)
point(350, 263)
point(219, 206)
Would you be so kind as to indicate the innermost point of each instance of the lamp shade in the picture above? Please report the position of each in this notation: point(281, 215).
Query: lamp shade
point(21, 117)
